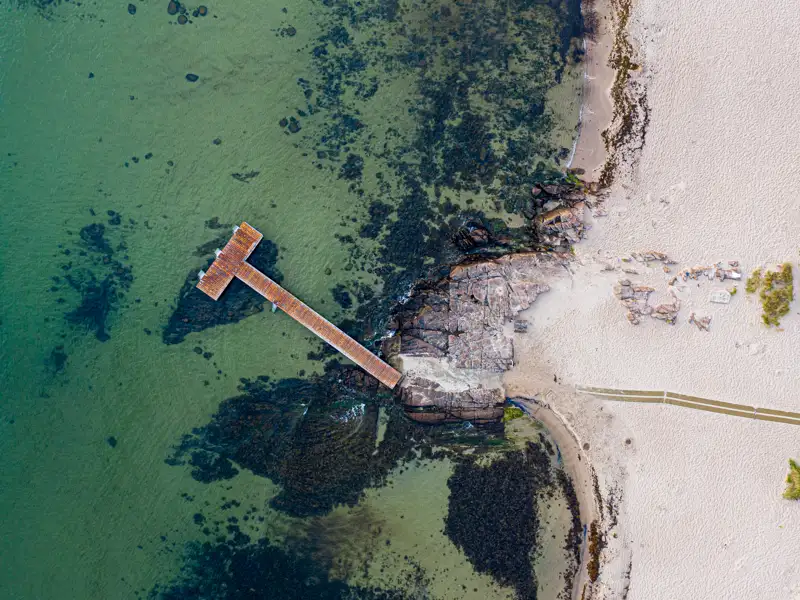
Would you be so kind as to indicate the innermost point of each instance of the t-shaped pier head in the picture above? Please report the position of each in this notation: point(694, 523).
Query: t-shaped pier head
point(232, 262)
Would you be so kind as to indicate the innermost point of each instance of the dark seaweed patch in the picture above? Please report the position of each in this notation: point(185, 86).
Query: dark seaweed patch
point(352, 168)
point(93, 236)
point(236, 569)
point(492, 514)
point(98, 275)
point(479, 125)
point(195, 311)
point(316, 437)
point(97, 299)
point(342, 296)
point(58, 359)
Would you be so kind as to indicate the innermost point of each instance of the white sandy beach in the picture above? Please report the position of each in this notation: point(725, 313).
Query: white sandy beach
point(701, 512)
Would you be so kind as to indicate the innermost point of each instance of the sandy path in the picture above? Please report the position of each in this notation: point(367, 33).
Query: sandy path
point(702, 513)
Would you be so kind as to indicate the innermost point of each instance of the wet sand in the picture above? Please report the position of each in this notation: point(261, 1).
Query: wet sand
point(590, 153)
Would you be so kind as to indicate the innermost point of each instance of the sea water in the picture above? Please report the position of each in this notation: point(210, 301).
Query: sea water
point(354, 136)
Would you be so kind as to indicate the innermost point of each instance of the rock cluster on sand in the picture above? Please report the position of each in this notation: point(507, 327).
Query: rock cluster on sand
point(635, 299)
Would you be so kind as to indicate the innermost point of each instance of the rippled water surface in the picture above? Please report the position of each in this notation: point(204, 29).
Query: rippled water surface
point(156, 445)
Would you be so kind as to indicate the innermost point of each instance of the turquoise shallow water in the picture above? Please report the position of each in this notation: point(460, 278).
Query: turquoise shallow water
point(349, 134)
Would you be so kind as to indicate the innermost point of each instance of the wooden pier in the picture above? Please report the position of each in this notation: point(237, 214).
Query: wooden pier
point(232, 262)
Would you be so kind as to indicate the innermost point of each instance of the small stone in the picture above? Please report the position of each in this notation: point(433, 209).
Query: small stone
point(290, 31)
point(216, 141)
point(192, 77)
point(112, 441)
point(91, 75)
point(148, 156)
point(720, 297)
point(131, 9)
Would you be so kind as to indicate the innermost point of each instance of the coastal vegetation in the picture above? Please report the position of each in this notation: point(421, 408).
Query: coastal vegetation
point(511, 412)
point(776, 291)
point(793, 481)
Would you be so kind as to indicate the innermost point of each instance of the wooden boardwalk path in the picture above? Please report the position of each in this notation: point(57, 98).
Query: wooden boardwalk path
point(725, 408)
point(231, 262)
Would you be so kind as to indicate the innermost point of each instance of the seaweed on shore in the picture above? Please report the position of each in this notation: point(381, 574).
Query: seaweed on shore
point(597, 542)
point(572, 546)
point(631, 113)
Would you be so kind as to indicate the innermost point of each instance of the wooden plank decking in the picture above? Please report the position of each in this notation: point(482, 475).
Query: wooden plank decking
point(231, 262)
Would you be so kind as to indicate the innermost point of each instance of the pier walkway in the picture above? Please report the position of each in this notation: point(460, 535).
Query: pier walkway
point(231, 262)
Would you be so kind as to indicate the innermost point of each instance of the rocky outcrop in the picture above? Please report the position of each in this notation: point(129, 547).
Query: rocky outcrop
point(463, 317)
point(467, 321)
point(463, 325)
point(427, 402)
point(558, 221)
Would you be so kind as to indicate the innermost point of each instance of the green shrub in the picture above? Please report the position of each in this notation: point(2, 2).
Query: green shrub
point(793, 482)
point(776, 292)
point(753, 282)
